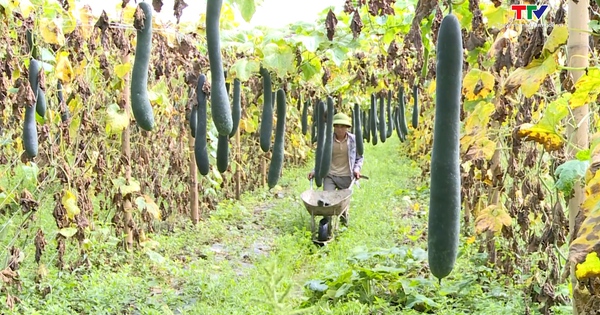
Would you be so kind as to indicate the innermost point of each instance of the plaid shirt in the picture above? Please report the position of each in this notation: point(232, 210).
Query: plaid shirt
point(355, 160)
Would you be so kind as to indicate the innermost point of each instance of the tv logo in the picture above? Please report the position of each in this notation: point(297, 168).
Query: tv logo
point(531, 10)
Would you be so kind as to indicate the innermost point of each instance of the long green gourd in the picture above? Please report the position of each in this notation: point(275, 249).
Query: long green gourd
point(328, 143)
point(278, 146)
point(219, 98)
point(445, 203)
point(200, 149)
point(140, 103)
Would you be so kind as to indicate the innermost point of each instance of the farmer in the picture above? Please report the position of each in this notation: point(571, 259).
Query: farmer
point(345, 161)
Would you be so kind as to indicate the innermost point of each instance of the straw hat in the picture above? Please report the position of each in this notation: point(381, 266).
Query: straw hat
point(342, 119)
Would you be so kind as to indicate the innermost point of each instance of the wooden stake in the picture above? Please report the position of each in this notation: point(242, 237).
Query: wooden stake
point(193, 182)
point(238, 160)
point(126, 156)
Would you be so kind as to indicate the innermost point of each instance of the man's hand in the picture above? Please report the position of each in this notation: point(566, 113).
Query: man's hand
point(311, 175)
point(357, 174)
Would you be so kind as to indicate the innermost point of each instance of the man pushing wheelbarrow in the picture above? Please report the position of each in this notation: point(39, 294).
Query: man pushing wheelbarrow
point(345, 168)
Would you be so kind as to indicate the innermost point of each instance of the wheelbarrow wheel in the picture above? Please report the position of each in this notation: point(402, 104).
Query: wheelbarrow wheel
point(344, 218)
point(323, 233)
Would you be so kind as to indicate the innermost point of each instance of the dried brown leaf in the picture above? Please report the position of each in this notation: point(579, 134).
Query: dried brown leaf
point(348, 7)
point(157, 5)
point(25, 95)
point(138, 18)
point(102, 22)
point(330, 23)
point(356, 25)
point(178, 7)
point(40, 245)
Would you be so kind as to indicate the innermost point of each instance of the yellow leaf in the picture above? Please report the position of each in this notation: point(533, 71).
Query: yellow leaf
point(152, 207)
point(547, 137)
point(146, 203)
point(591, 202)
point(126, 188)
point(52, 31)
point(68, 231)
point(128, 12)
point(87, 21)
point(471, 239)
point(64, 71)
point(416, 206)
point(481, 148)
point(588, 235)
point(116, 119)
point(557, 38)
point(479, 118)
point(228, 19)
point(589, 268)
point(492, 218)
point(122, 69)
point(69, 201)
point(431, 89)
point(247, 125)
point(496, 17)
point(69, 22)
point(530, 78)
point(26, 7)
point(587, 88)
point(478, 84)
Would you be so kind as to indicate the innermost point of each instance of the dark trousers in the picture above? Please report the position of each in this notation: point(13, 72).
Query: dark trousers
point(332, 182)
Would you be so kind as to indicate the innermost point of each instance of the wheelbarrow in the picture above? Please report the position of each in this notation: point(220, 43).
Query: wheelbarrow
point(333, 204)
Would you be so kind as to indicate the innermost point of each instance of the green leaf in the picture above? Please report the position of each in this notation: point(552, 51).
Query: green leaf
point(584, 155)
point(317, 285)
point(67, 232)
point(47, 55)
point(247, 9)
point(279, 58)
point(464, 14)
point(29, 174)
point(337, 54)
point(310, 43)
point(555, 112)
point(160, 94)
point(343, 290)
point(569, 173)
point(244, 68)
point(155, 257)
point(557, 38)
point(595, 26)
point(421, 300)
point(530, 77)
point(309, 70)
point(587, 88)
point(389, 35)
point(116, 119)
point(547, 130)
point(125, 188)
point(6, 199)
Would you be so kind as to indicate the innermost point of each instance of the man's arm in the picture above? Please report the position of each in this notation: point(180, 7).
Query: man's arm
point(358, 162)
